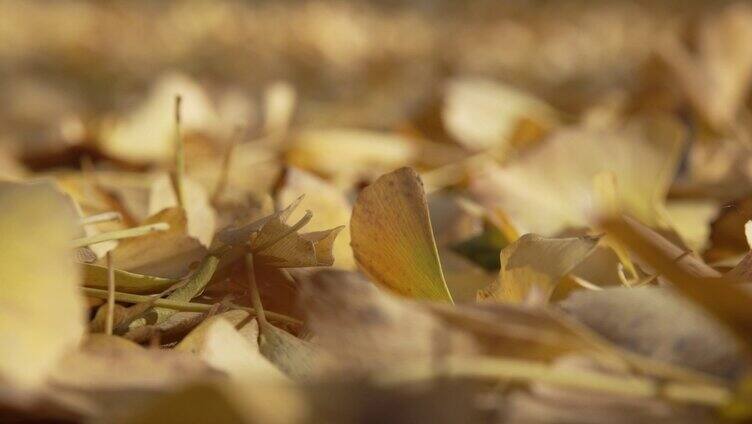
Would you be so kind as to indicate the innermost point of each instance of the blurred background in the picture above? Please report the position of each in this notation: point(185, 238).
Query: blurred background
point(364, 63)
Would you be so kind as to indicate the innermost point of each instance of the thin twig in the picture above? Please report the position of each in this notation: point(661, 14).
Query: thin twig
point(109, 322)
point(101, 217)
point(492, 368)
point(255, 295)
point(224, 170)
point(179, 156)
point(120, 234)
point(183, 306)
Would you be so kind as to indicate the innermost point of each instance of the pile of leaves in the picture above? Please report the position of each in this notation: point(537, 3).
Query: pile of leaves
point(493, 258)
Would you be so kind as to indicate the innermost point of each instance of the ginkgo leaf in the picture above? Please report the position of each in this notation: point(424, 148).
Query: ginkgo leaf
point(484, 114)
point(113, 374)
point(127, 282)
point(532, 266)
point(42, 312)
point(279, 107)
point(218, 401)
point(362, 328)
point(166, 254)
point(727, 302)
point(191, 287)
point(347, 155)
point(387, 329)
point(331, 209)
point(146, 134)
point(200, 214)
point(552, 188)
point(392, 239)
point(279, 244)
point(717, 77)
point(691, 220)
point(297, 358)
point(656, 323)
point(217, 342)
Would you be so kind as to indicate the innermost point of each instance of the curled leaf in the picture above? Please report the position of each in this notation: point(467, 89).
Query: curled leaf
point(532, 266)
point(392, 239)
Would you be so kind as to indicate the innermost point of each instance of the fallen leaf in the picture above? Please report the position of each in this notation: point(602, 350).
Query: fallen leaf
point(199, 213)
point(192, 287)
point(543, 194)
point(147, 133)
point(483, 114)
point(392, 239)
point(656, 323)
point(349, 155)
point(42, 313)
point(717, 77)
point(220, 345)
point(165, 254)
point(725, 301)
point(332, 209)
point(532, 267)
point(127, 282)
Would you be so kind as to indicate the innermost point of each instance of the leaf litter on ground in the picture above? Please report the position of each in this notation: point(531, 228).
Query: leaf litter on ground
point(501, 251)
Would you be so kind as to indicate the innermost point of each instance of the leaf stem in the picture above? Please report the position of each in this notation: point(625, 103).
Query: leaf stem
point(179, 156)
point(224, 170)
point(101, 217)
point(183, 306)
point(120, 234)
point(492, 368)
point(255, 295)
point(109, 322)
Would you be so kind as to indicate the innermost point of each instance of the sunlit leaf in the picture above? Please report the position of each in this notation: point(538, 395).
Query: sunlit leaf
point(532, 266)
point(41, 316)
point(392, 239)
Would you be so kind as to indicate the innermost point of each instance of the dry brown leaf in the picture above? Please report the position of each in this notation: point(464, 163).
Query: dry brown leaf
point(726, 302)
point(657, 324)
point(363, 329)
point(226, 403)
point(331, 209)
point(166, 254)
point(392, 239)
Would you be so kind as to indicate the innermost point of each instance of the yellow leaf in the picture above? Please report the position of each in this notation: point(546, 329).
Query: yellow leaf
point(347, 155)
point(552, 187)
point(532, 266)
point(392, 239)
point(199, 213)
point(146, 134)
point(483, 114)
point(41, 310)
point(217, 342)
